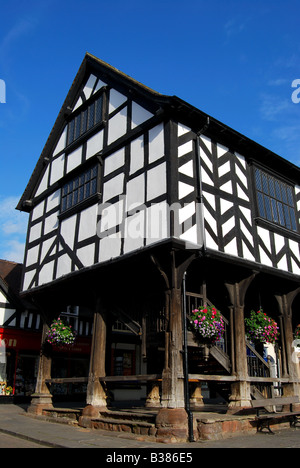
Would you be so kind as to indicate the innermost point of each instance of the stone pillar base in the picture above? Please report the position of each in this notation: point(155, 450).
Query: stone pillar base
point(172, 425)
point(90, 412)
point(40, 401)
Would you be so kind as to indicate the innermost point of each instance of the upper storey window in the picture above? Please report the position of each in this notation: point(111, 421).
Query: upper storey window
point(79, 189)
point(85, 120)
point(275, 200)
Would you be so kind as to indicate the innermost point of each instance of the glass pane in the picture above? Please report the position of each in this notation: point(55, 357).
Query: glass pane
point(93, 186)
point(77, 126)
point(293, 219)
point(91, 120)
point(84, 118)
point(290, 196)
point(265, 183)
point(258, 179)
point(281, 215)
point(287, 216)
point(268, 208)
point(274, 210)
point(87, 189)
point(98, 110)
point(277, 189)
point(261, 205)
point(283, 191)
point(272, 187)
point(71, 127)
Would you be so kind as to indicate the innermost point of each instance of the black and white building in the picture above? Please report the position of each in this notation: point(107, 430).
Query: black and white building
point(138, 197)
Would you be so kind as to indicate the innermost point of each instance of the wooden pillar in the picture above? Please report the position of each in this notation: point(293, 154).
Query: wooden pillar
point(240, 390)
point(172, 419)
point(289, 366)
point(96, 395)
point(42, 397)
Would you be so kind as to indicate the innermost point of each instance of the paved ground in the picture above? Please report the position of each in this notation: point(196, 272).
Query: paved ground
point(18, 430)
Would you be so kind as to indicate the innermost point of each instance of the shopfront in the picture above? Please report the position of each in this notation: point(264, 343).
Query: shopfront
point(19, 354)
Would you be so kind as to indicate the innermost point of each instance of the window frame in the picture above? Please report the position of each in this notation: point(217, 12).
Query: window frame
point(275, 199)
point(81, 122)
point(78, 181)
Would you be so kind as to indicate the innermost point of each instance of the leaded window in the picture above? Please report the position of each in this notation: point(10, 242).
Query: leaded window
point(85, 120)
point(275, 200)
point(79, 189)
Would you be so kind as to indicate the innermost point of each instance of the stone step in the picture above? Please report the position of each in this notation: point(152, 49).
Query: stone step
point(114, 424)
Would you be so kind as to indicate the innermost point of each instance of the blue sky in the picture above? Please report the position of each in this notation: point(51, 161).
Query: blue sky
point(234, 59)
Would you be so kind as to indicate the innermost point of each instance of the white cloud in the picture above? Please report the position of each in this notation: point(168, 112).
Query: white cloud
point(13, 228)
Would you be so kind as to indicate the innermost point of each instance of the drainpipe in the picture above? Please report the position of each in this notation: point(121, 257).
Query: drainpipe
point(186, 369)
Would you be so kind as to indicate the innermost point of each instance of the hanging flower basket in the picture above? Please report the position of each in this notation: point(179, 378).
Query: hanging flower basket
point(60, 334)
point(208, 323)
point(261, 328)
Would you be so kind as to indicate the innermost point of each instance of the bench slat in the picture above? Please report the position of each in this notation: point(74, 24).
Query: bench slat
point(274, 401)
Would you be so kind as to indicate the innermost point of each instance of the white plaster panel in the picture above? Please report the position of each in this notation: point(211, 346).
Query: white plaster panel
point(113, 187)
point(184, 189)
point(185, 148)
point(187, 169)
point(137, 155)
point(28, 277)
point(157, 223)
point(114, 161)
point(32, 255)
point(117, 125)
point(67, 230)
point(221, 150)
point(64, 264)
point(44, 182)
point(135, 192)
point(74, 159)
point(89, 86)
point(111, 216)
point(53, 201)
point(35, 232)
point(46, 273)
point(51, 223)
point(182, 129)
point(6, 314)
point(38, 211)
point(231, 248)
point(94, 144)
point(139, 115)
point(156, 181)
point(134, 232)
point(86, 255)
point(61, 143)
point(156, 143)
point(110, 247)
point(3, 298)
point(57, 169)
point(88, 222)
point(116, 99)
point(45, 248)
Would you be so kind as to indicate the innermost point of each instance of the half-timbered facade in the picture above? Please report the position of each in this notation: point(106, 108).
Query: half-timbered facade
point(141, 206)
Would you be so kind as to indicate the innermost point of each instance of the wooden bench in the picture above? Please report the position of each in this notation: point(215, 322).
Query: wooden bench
point(269, 406)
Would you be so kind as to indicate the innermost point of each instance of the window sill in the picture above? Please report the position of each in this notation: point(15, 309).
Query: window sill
point(277, 229)
point(80, 206)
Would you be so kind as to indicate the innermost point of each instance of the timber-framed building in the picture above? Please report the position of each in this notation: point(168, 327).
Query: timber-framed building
point(142, 207)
